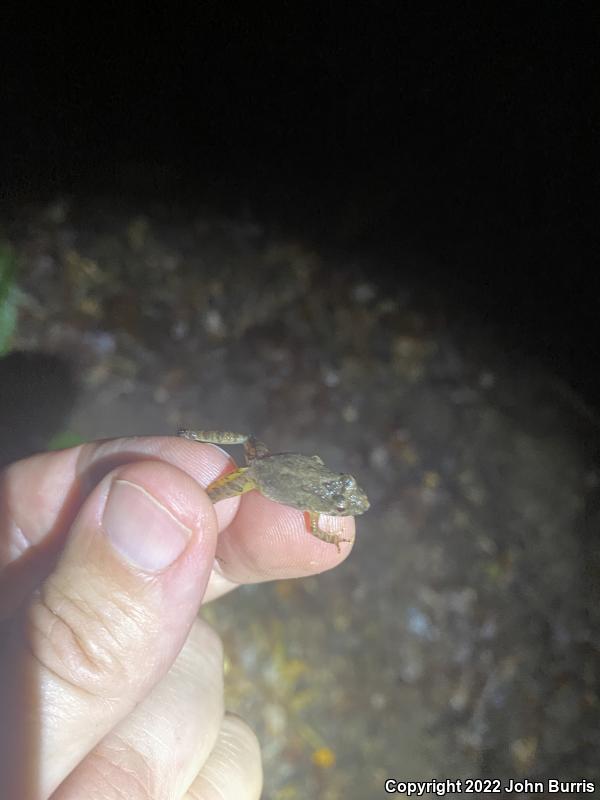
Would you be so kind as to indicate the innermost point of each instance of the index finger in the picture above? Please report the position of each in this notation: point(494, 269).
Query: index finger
point(41, 495)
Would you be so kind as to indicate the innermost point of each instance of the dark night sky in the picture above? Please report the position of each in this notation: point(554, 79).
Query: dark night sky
point(469, 132)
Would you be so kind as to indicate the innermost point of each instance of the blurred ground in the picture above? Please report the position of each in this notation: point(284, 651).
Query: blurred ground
point(461, 636)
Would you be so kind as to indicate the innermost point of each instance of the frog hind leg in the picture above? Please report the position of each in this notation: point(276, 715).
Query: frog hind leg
point(253, 448)
point(214, 437)
point(230, 485)
point(313, 527)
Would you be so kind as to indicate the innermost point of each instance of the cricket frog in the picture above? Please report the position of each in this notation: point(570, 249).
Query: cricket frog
point(302, 482)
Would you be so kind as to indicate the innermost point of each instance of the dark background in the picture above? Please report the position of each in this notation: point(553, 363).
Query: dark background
point(467, 134)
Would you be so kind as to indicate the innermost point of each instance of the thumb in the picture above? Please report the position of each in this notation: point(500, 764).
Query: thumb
point(107, 623)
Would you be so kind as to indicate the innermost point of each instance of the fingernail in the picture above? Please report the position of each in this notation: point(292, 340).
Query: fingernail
point(141, 529)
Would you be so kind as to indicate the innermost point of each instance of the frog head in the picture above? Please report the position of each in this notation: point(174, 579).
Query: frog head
point(347, 497)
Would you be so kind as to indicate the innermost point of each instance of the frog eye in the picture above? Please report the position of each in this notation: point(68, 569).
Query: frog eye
point(347, 480)
point(340, 502)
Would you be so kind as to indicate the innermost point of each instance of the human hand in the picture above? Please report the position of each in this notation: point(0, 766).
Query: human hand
point(109, 684)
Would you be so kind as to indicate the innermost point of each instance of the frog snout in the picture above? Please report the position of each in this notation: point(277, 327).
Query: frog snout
point(364, 504)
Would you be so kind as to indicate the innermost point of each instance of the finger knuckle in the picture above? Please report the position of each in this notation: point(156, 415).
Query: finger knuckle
point(85, 638)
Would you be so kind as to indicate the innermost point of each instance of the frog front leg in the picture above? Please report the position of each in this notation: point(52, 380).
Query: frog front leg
point(313, 526)
point(253, 449)
point(231, 485)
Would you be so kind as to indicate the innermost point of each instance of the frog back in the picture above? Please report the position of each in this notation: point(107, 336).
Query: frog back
point(295, 480)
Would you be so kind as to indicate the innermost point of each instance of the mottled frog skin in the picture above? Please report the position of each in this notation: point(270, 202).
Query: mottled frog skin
point(302, 482)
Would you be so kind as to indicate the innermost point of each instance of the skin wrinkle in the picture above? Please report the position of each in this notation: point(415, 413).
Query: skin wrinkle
point(59, 629)
point(233, 748)
point(92, 651)
point(59, 679)
point(229, 737)
point(141, 771)
point(207, 779)
point(237, 781)
point(221, 762)
point(130, 618)
point(46, 636)
point(224, 759)
point(137, 619)
point(119, 772)
point(86, 610)
point(120, 778)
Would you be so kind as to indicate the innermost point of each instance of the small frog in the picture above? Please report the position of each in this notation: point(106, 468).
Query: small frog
point(302, 482)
